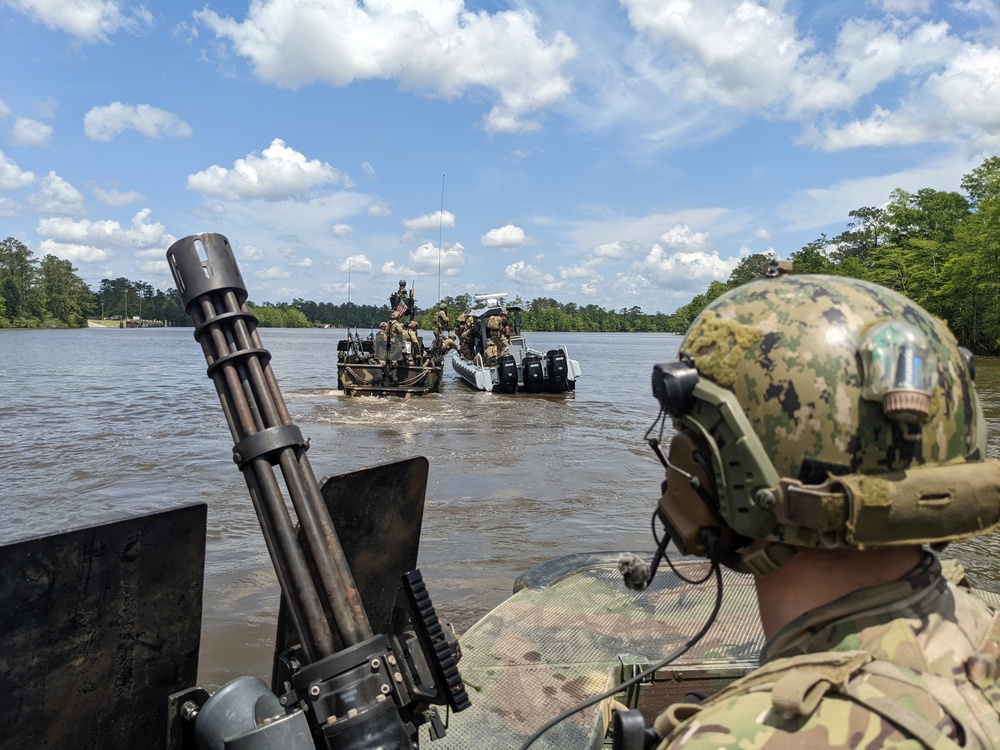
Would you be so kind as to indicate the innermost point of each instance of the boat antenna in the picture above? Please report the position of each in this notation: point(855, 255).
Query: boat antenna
point(440, 232)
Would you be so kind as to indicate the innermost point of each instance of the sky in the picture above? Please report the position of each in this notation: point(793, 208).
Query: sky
point(620, 154)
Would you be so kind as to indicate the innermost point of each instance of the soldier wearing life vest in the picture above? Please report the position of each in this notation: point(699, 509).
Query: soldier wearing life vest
point(825, 437)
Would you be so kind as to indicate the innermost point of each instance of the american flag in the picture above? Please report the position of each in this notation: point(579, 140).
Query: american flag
point(401, 308)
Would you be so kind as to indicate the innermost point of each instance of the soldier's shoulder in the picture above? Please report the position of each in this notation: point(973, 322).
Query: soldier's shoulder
point(751, 719)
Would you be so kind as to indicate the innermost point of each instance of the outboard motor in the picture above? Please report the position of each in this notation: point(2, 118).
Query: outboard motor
point(532, 368)
point(558, 370)
point(507, 370)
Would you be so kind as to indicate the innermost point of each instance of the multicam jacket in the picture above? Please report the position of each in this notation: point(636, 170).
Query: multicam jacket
point(904, 665)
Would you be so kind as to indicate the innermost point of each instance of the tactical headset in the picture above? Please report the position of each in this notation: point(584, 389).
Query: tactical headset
point(722, 490)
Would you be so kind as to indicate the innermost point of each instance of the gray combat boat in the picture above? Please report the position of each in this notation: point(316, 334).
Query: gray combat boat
point(481, 363)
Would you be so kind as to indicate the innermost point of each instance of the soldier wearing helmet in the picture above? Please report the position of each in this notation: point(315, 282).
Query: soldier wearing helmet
point(396, 337)
point(441, 322)
point(413, 343)
point(825, 434)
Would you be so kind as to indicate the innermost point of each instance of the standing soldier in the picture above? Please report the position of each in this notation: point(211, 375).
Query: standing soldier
point(467, 342)
point(399, 296)
point(826, 437)
point(381, 341)
point(414, 355)
point(441, 322)
point(498, 343)
point(396, 337)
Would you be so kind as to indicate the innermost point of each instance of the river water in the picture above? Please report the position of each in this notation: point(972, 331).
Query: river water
point(100, 422)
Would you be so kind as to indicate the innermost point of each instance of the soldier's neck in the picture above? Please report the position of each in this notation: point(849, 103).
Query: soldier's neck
point(813, 578)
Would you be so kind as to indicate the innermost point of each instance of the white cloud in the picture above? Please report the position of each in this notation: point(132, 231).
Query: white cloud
point(272, 273)
point(9, 209)
point(582, 271)
point(750, 57)
point(379, 211)
point(369, 170)
point(12, 177)
point(303, 263)
point(356, 264)
point(679, 260)
point(103, 124)
point(56, 196)
point(74, 253)
point(252, 253)
point(28, 132)
point(277, 174)
point(426, 259)
point(88, 20)
point(440, 48)
point(430, 221)
point(141, 234)
point(509, 237)
point(525, 273)
point(117, 197)
point(611, 250)
point(737, 53)
point(761, 234)
point(4, 110)
point(342, 230)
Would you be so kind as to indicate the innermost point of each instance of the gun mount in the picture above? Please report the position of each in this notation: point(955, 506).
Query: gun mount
point(338, 684)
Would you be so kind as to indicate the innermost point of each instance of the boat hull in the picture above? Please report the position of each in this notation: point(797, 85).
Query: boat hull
point(523, 360)
point(398, 379)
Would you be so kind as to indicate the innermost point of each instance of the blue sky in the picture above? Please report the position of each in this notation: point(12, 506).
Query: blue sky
point(621, 154)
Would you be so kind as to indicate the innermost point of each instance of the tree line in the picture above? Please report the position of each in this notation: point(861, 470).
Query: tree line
point(940, 249)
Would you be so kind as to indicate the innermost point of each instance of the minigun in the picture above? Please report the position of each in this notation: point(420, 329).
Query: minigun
point(337, 682)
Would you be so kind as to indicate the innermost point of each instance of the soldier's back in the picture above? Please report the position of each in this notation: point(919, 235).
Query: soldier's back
point(928, 680)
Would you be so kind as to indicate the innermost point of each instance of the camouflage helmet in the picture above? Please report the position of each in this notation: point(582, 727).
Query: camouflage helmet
point(394, 315)
point(442, 306)
point(414, 325)
point(383, 325)
point(821, 411)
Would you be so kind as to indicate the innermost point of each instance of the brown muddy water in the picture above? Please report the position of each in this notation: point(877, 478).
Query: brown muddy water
point(102, 422)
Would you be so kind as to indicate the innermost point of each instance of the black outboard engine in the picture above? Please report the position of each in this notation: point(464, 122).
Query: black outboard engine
point(558, 370)
point(507, 370)
point(532, 367)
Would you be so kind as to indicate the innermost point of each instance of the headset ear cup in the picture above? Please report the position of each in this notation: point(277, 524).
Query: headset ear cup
point(687, 510)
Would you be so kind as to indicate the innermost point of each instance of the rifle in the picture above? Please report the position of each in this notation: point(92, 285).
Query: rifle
point(337, 683)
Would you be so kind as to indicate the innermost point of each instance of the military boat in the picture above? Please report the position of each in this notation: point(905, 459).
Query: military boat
point(382, 365)
point(100, 625)
point(481, 362)
point(369, 367)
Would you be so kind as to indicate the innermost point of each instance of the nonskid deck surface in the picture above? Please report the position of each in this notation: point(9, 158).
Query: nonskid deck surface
point(546, 649)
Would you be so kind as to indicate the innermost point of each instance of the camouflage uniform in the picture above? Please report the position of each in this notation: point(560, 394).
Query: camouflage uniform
point(441, 322)
point(396, 334)
point(835, 414)
point(467, 342)
point(499, 344)
point(414, 355)
point(912, 660)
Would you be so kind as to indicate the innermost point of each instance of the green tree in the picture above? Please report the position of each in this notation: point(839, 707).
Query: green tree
point(854, 247)
point(813, 258)
point(67, 297)
point(750, 268)
point(19, 282)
